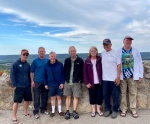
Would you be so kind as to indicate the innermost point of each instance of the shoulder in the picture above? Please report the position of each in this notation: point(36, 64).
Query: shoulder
point(68, 59)
point(87, 60)
point(46, 59)
point(35, 60)
point(98, 58)
point(79, 59)
point(134, 49)
point(15, 64)
point(58, 62)
point(119, 50)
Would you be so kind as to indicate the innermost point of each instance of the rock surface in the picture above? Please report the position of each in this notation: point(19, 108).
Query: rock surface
point(143, 95)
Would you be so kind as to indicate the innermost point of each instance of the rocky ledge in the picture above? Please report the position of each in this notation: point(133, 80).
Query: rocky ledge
point(143, 96)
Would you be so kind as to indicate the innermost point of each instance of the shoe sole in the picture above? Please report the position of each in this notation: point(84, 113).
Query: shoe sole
point(67, 118)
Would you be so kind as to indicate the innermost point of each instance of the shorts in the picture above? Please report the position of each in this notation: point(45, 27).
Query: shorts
point(55, 91)
point(74, 89)
point(21, 93)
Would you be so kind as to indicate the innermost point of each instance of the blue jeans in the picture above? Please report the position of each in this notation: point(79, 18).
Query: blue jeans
point(40, 97)
point(110, 89)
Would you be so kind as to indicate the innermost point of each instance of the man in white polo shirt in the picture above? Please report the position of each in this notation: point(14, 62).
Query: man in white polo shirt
point(111, 67)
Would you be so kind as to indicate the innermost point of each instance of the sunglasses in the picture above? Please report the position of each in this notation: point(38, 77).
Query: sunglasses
point(25, 54)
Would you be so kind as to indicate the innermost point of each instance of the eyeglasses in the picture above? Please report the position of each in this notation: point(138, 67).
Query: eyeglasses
point(25, 54)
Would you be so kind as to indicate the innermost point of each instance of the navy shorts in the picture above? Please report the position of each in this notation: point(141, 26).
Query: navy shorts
point(21, 93)
point(55, 91)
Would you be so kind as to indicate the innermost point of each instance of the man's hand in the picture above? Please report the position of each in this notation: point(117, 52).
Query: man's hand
point(32, 84)
point(88, 85)
point(14, 88)
point(46, 87)
point(117, 80)
point(61, 86)
point(140, 79)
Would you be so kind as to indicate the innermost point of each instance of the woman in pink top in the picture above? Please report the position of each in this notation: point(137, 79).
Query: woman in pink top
point(93, 80)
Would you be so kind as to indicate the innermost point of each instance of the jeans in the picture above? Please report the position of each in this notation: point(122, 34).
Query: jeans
point(111, 90)
point(40, 97)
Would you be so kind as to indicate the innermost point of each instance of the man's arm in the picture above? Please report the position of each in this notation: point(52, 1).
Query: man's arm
point(117, 80)
point(32, 79)
point(13, 75)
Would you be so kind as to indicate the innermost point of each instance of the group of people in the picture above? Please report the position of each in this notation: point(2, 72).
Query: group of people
point(107, 77)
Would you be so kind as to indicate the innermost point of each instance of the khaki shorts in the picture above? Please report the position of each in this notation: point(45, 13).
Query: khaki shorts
point(74, 89)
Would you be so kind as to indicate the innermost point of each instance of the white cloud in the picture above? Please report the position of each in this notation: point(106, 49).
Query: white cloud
point(90, 20)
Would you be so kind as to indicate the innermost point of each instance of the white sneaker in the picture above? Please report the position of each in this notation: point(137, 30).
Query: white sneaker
point(46, 112)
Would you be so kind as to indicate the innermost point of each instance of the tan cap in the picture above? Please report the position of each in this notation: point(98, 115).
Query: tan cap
point(128, 37)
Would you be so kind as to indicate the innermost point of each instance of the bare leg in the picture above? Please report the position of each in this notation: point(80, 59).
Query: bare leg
point(59, 104)
point(15, 108)
point(26, 105)
point(93, 108)
point(53, 99)
point(68, 101)
point(59, 100)
point(98, 108)
point(75, 103)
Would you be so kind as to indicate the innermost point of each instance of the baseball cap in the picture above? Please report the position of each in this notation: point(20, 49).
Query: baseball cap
point(24, 51)
point(128, 37)
point(106, 41)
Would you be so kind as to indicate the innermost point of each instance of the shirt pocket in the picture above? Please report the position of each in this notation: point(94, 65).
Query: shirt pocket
point(112, 59)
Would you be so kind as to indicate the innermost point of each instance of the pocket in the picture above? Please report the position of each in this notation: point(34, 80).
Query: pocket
point(112, 59)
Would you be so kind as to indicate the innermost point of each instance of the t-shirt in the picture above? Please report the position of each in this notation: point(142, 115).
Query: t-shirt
point(110, 60)
point(71, 73)
point(127, 63)
point(96, 81)
point(37, 67)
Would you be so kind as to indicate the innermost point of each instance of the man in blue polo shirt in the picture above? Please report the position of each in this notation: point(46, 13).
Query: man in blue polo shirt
point(37, 82)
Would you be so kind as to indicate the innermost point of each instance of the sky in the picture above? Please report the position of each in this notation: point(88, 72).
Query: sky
point(58, 24)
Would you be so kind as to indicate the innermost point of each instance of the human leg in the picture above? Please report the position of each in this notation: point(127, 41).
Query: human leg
point(36, 94)
point(132, 96)
point(107, 94)
point(15, 108)
point(44, 98)
point(18, 96)
point(115, 96)
point(123, 90)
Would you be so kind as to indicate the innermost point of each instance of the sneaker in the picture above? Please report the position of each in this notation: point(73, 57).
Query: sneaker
point(67, 115)
point(114, 115)
point(45, 112)
point(107, 113)
point(61, 113)
point(36, 116)
point(75, 115)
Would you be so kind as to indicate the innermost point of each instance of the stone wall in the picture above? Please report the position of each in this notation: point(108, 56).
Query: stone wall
point(143, 96)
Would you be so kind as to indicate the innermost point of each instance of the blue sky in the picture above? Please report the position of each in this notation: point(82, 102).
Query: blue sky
point(58, 24)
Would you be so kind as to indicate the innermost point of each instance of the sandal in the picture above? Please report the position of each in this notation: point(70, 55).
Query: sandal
point(27, 115)
point(134, 114)
point(93, 114)
point(15, 121)
point(123, 114)
point(100, 113)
